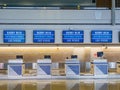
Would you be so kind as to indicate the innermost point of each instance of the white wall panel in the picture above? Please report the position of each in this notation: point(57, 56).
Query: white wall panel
point(55, 16)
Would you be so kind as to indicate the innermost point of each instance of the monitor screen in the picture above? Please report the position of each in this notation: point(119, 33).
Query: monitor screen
point(119, 37)
point(99, 54)
point(19, 56)
point(73, 56)
point(14, 36)
point(43, 36)
point(47, 57)
point(101, 36)
point(72, 36)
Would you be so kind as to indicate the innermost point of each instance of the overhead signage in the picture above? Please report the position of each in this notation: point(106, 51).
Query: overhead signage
point(43, 36)
point(101, 36)
point(14, 36)
point(73, 36)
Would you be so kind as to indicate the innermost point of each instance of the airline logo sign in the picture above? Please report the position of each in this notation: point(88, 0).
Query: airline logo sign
point(15, 70)
point(101, 69)
point(44, 70)
point(73, 69)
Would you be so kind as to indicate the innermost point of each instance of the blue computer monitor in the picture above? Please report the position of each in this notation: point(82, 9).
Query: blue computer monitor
point(100, 54)
point(73, 56)
point(47, 57)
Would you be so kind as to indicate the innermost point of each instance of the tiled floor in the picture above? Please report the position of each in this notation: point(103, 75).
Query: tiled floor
point(83, 84)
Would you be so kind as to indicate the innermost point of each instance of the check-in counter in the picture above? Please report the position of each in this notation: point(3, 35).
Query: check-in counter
point(99, 67)
point(15, 68)
point(44, 68)
point(72, 68)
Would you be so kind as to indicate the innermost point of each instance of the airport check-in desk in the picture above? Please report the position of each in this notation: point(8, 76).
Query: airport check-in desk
point(15, 68)
point(100, 67)
point(44, 68)
point(72, 68)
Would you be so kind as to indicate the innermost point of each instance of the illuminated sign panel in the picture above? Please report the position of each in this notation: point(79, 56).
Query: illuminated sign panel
point(101, 36)
point(73, 36)
point(14, 36)
point(43, 36)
